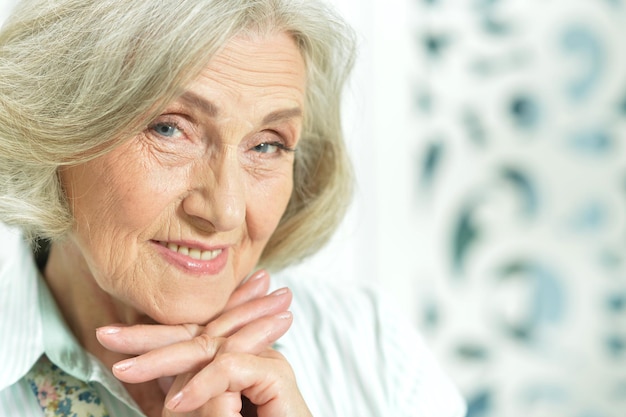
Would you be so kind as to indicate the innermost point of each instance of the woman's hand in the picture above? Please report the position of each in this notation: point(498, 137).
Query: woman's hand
point(214, 365)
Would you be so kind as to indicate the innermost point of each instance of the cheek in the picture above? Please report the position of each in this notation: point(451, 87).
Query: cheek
point(124, 196)
point(266, 206)
point(116, 202)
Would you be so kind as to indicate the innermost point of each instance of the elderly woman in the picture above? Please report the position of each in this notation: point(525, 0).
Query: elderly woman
point(157, 154)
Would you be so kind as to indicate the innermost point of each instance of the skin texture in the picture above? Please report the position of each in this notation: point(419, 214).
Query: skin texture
point(213, 172)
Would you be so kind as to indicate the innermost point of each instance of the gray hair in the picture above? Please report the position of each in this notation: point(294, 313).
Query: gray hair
point(78, 77)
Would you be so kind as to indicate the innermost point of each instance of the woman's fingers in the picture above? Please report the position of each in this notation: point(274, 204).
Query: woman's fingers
point(228, 404)
point(171, 360)
point(192, 355)
point(236, 318)
point(258, 335)
point(255, 286)
point(266, 379)
point(140, 339)
point(173, 354)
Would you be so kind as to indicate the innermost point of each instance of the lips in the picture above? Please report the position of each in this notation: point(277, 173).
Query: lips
point(193, 259)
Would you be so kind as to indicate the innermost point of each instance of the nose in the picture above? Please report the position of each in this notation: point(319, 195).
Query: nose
point(218, 196)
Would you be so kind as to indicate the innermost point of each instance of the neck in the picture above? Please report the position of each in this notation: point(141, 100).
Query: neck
point(85, 307)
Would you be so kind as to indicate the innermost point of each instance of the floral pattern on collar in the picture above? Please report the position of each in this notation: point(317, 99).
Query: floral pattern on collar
point(60, 394)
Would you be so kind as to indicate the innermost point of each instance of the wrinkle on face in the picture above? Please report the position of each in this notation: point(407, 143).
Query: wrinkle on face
point(209, 185)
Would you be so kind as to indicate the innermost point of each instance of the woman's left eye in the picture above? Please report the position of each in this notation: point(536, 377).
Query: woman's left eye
point(272, 147)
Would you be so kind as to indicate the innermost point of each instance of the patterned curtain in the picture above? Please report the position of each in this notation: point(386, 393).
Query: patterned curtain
point(519, 120)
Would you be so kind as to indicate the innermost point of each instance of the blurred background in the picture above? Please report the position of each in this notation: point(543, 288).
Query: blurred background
point(488, 138)
point(488, 144)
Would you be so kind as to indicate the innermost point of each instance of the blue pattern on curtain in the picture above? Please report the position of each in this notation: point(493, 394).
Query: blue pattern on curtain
point(520, 130)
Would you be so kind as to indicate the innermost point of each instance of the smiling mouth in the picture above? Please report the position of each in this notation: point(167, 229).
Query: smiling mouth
point(194, 253)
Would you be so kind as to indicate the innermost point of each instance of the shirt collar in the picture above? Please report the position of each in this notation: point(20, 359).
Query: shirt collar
point(63, 349)
point(35, 326)
point(20, 318)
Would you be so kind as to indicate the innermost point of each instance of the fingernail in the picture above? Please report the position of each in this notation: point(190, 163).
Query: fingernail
point(108, 330)
point(279, 292)
point(175, 401)
point(258, 275)
point(286, 315)
point(124, 365)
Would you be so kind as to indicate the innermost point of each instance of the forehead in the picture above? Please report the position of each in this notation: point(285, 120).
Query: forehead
point(253, 69)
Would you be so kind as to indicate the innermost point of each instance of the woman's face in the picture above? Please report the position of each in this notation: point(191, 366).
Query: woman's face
point(173, 220)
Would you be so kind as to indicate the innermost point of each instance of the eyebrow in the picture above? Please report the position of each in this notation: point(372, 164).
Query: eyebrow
point(280, 115)
point(211, 110)
point(198, 102)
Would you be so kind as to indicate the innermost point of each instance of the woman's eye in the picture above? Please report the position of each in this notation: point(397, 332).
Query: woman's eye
point(165, 129)
point(268, 147)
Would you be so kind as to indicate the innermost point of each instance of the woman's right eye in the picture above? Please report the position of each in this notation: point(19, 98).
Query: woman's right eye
point(168, 130)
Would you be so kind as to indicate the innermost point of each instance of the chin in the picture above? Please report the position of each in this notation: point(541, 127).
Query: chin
point(184, 313)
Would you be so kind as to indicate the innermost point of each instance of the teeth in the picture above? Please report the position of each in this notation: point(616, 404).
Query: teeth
point(209, 254)
point(197, 254)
